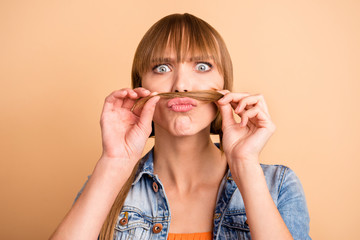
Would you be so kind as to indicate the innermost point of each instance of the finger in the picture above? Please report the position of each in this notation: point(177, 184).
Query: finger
point(120, 94)
point(232, 97)
point(263, 104)
point(131, 93)
point(142, 92)
point(227, 116)
point(248, 102)
point(256, 116)
point(223, 91)
point(147, 112)
point(136, 108)
point(130, 99)
point(116, 96)
point(234, 105)
point(129, 96)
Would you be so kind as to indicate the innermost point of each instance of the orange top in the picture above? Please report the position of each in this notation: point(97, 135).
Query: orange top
point(190, 236)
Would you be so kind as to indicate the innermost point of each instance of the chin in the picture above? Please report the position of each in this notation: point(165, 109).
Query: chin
point(178, 130)
point(183, 132)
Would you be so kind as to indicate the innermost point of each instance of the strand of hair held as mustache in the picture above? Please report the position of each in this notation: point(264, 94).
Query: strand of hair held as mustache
point(203, 95)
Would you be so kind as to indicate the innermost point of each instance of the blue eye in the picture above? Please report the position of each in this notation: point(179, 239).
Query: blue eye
point(203, 67)
point(162, 68)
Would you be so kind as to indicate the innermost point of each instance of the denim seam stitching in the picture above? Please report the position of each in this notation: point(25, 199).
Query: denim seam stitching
point(143, 215)
point(240, 227)
point(285, 169)
point(223, 215)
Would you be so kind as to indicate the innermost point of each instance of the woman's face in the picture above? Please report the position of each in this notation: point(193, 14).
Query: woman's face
point(183, 117)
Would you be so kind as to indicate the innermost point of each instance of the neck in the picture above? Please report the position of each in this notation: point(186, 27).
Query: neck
point(185, 163)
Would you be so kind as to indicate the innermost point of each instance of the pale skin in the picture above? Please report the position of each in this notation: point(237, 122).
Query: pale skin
point(185, 157)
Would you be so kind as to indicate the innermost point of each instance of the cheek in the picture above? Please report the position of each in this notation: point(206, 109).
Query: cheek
point(156, 87)
point(156, 84)
point(146, 81)
point(214, 109)
point(220, 82)
point(161, 110)
point(207, 112)
point(215, 82)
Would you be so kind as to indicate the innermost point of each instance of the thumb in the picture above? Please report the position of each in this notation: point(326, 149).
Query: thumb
point(226, 114)
point(147, 112)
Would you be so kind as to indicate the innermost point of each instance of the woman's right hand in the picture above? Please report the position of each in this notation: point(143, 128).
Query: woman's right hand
point(124, 132)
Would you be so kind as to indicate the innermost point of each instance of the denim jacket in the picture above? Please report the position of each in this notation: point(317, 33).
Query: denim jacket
point(146, 213)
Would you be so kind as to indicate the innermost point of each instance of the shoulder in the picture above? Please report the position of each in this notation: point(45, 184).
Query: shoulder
point(288, 194)
point(282, 182)
point(274, 174)
point(281, 177)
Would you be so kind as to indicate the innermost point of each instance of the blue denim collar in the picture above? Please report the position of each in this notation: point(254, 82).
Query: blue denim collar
point(146, 166)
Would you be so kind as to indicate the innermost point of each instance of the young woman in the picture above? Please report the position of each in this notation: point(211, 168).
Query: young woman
point(186, 187)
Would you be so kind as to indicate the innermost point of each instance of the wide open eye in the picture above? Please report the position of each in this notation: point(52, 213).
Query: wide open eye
point(162, 68)
point(203, 67)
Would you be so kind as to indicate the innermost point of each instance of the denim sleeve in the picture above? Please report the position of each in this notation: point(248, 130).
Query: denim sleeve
point(292, 206)
point(81, 190)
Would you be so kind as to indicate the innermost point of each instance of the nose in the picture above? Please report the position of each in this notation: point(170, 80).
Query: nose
point(182, 80)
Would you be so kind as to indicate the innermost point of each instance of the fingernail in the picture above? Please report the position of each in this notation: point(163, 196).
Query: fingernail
point(157, 98)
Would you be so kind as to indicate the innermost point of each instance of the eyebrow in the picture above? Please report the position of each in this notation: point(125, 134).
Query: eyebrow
point(201, 58)
point(192, 59)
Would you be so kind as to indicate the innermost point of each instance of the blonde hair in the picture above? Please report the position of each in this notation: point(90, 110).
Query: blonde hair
point(187, 35)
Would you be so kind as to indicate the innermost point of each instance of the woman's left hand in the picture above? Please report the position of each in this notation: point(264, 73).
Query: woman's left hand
point(244, 141)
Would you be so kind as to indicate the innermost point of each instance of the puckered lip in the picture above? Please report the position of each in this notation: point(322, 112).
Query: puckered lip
point(181, 101)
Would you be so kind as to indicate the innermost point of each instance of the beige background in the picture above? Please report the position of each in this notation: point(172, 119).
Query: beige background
point(60, 59)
